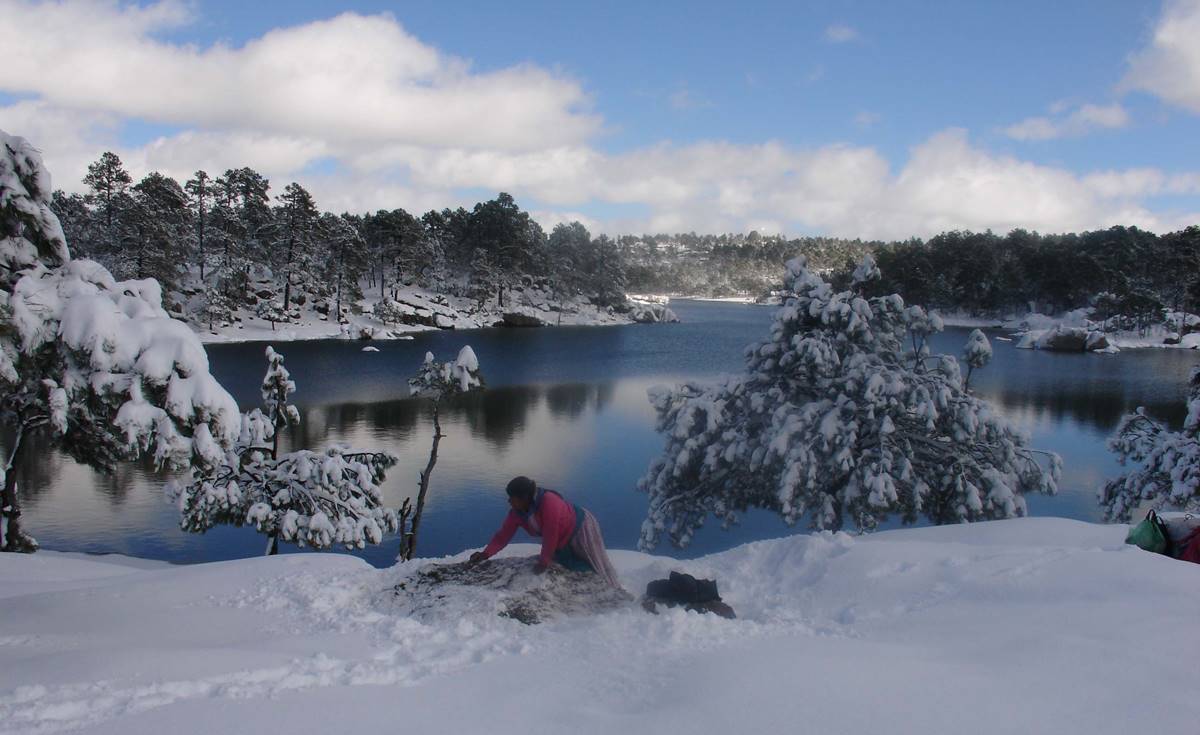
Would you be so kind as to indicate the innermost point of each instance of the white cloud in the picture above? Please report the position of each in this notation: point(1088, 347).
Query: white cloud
point(552, 165)
point(350, 79)
point(1080, 121)
point(1170, 66)
point(840, 33)
point(685, 99)
point(866, 119)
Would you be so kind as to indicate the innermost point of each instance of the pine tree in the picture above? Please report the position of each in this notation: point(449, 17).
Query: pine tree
point(345, 258)
point(94, 365)
point(200, 197)
point(1168, 471)
point(271, 311)
point(437, 381)
point(159, 231)
point(977, 354)
point(835, 420)
point(108, 181)
point(308, 498)
point(296, 233)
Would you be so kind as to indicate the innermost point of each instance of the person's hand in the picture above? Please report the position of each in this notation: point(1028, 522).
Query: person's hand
point(540, 568)
point(477, 557)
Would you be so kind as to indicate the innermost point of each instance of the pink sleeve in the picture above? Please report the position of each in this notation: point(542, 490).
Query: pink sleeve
point(504, 535)
point(556, 516)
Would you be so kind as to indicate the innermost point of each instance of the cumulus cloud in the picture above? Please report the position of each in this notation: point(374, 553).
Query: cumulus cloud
point(338, 129)
point(1069, 123)
point(839, 33)
point(1170, 66)
point(353, 79)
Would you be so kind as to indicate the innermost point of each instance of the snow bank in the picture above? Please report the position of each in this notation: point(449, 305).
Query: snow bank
point(1023, 626)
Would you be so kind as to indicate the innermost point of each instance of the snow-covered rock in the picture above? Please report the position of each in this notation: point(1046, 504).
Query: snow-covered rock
point(509, 587)
point(518, 319)
point(651, 313)
point(1063, 338)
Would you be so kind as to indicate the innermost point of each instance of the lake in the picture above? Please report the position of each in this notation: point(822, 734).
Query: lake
point(567, 406)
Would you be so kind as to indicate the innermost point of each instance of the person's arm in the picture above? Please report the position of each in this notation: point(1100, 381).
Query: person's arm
point(504, 535)
point(556, 517)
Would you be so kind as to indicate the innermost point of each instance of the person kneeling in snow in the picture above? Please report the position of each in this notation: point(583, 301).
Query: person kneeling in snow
point(570, 535)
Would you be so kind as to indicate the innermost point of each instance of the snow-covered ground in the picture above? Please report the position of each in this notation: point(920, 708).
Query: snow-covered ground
point(1033, 326)
point(439, 310)
point(1026, 626)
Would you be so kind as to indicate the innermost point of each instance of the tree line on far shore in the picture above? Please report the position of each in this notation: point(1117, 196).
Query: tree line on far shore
point(211, 232)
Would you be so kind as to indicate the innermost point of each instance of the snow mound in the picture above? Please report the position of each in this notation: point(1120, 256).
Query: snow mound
point(507, 586)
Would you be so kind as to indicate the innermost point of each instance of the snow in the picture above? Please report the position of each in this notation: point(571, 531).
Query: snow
point(369, 348)
point(1020, 626)
point(438, 311)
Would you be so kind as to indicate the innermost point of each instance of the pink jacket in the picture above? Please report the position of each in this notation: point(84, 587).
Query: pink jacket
point(553, 520)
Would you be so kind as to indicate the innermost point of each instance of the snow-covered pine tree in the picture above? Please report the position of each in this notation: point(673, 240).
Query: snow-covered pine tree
point(95, 365)
point(271, 311)
point(390, 312)
point(217, 307)
point(1168, 474)
point(977, 354)
point(437, 381)
point(315, 499)
point(835, 420)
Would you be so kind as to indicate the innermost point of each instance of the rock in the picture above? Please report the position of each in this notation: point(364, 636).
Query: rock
point(300, 299)
point(516, 319)
point(651, 313)
point(1171, 341)
point(265, 293)
point(1096, 341)
point(1067, 339)
point(507, 586)
point(321, 307)
point(1064, 339)
point(369, 348)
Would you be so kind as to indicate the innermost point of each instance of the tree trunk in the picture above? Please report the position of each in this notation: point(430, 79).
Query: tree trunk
point(409, 543)
point(11, 536)
point(272, 545)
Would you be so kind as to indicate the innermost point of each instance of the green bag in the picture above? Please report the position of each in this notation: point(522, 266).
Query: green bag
point(1150, 534)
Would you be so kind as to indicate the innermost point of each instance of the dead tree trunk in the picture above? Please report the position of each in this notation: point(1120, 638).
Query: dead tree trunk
point(409, 542)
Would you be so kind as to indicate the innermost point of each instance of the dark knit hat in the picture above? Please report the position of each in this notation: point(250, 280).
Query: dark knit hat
point(521, 487)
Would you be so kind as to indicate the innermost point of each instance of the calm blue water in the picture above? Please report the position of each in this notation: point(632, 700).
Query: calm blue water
point(567, 406)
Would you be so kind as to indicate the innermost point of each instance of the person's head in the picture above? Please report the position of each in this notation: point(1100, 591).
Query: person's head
point(520, 493)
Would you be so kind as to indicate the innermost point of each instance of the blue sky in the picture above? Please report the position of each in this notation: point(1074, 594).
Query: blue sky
point(876, 119)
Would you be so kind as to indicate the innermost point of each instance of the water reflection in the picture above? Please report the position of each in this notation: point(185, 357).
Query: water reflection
point(568, 407)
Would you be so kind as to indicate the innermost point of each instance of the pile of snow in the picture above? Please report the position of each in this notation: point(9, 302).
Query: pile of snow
point(1030, 625)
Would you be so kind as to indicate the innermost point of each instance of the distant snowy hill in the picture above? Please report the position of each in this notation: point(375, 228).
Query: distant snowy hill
point(1023, 626)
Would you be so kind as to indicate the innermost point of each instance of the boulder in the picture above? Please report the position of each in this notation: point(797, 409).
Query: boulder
point(265, 293)
point(650, 313)
point(1067, 339)
point(516, 319)
point(1064, 339)
point(507, 586)
point(1096, 341)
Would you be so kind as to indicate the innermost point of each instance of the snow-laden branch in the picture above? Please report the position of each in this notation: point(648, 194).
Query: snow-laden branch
point(1169, 462)
point(315, 499)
